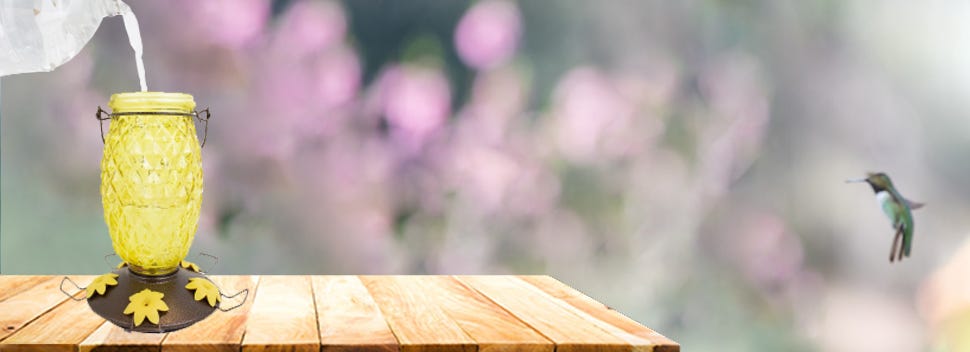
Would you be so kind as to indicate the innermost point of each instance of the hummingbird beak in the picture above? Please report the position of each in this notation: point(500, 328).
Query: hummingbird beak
point(857, 180)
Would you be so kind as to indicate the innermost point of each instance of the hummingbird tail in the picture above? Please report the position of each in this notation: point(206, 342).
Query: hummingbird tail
point(907, 244)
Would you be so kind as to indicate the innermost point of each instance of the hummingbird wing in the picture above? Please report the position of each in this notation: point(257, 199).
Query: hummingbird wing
point(913, 205)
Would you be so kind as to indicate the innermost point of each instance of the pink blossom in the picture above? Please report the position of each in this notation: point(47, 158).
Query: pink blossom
point(739, 115)
point(770, 255)
point(587, 106)
point(497, 98)
point(230, 23)
point(310, 97)
point(488, 34)
point(501, 94)
point(486, 174)
point(337, 75)
point(310, 26)
point(416, 102)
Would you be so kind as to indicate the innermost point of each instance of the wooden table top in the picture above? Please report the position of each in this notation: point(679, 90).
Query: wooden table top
point(341, 313)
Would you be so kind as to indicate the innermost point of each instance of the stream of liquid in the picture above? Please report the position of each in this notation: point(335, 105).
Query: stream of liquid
point(134, 38)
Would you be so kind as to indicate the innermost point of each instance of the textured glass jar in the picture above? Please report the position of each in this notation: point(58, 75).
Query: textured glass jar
point(151, 179)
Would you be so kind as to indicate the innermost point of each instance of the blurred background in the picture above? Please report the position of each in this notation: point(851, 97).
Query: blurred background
point(680, 161)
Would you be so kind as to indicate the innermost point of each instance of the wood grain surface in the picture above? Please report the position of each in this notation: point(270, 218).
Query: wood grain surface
point(222, 331)
point(348, 318)
point(341, 313)
point(111, 338)
point(59, 329)
point(283, 314)
point(16, 284)
point(601, 312)
point(418, 323)
point(569, 331)
point(491, 326)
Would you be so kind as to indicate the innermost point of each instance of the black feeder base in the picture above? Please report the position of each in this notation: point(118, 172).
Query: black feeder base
point(183, 309)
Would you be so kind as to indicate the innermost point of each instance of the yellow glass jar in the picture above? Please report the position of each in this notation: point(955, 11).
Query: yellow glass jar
point(151, 179)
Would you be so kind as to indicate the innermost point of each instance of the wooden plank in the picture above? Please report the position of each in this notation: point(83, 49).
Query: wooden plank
point(349, 319)
point(13, 284)
point(639, 344)
point(343, 313)
point(417, 324)
point(112, 338)
point(493, 328)
point(20, 309)
point(569, 331)
point(283, 316)
point(221, 331)
point(600, 312)
point(60, 329)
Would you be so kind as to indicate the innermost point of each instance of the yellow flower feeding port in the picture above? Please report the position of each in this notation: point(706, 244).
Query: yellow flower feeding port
point(151, 189)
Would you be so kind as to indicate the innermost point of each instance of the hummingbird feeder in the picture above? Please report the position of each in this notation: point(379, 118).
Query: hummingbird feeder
point(151, 190)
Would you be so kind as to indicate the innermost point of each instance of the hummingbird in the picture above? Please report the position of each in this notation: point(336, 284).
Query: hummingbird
point(897, 209)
